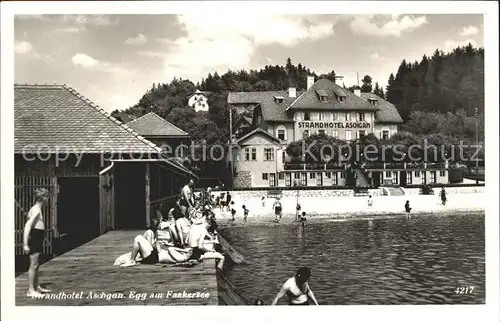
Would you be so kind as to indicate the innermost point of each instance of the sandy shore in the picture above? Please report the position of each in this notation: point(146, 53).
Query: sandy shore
point(340, 208)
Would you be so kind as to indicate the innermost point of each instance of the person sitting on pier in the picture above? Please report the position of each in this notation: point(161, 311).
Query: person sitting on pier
point(147, 246)
point(202, 239)
point(180, 229)
point(33, 236)
point(297, 289)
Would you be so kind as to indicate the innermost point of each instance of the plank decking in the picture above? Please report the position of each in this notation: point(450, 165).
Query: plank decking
point(88, 271)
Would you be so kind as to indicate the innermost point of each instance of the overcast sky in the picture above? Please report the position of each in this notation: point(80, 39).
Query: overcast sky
point(114, 59)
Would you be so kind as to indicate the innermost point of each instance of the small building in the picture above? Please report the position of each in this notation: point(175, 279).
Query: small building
point(100, 173)
point(173, 140)
point(199, 101)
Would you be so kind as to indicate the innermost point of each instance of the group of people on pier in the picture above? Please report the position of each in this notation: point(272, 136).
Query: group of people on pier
point(187, 232)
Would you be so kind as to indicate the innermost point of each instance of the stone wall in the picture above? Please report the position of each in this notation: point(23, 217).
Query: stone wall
point(449, 190)
point(303, 193)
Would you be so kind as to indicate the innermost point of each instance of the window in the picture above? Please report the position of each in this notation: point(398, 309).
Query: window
point(328, 175)
point(342, 174)
point(247, 154)
point(385, 134)
point(307, 116)
point(283, 157)
point(303, 179)
point(388, 174)
point(361, 116)
point(335, 133)
point(417, 174)
point(281, 134)
point(305, 134)
point(408, 178)
point(347, 117)
point(395, 178)
point(321, 116)
point(296, 176)
point(319, 179)
point(433, 176)
point(321, 132)
point(442, 173)
point(272, 179)
point(348, 135)
point(334, 116)
point(254, 153)
point(281, 176)
point(323, 98)
point(335, 178)
point(361, 134)
point(268, 154)
point(265, 177)
point(312, 175)
point(288, 179)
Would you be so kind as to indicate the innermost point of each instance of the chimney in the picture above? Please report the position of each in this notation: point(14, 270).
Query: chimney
point(310, 81)
point(357, 92)
point(292, 92)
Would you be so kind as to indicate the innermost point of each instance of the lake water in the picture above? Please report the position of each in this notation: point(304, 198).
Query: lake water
point(421, 260)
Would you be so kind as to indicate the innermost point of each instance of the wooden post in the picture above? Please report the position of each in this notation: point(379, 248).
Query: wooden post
point(148, 200)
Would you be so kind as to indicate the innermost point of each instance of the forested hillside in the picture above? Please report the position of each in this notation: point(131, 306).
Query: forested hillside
point(437, 96)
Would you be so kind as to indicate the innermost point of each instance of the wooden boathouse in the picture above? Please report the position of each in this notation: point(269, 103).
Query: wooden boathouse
point(100, 173)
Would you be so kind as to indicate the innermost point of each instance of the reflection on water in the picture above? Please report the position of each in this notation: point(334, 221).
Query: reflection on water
point(383, 261)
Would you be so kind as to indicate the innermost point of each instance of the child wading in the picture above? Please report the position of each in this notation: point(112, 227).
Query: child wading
point(245, 213)
point(277, 210)
point(33, 236)
point(370, 201)
point(233, 210)
point(303, 219)
point(263, 199)
point(443, 196)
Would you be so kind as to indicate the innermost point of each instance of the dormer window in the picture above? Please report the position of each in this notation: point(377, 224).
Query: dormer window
point(323, 96)
point(279, 99)
point(373, 101)
point(340, 98)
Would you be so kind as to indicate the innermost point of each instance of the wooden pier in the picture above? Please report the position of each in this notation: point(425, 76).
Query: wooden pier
point(87, 275)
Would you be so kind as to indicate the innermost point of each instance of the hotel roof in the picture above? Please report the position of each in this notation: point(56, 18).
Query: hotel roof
point(387, 112)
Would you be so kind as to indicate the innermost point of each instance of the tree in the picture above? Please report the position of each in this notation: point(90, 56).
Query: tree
point(367, 84)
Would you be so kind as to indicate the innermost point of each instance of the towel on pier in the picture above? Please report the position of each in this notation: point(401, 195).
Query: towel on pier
point(124, 260)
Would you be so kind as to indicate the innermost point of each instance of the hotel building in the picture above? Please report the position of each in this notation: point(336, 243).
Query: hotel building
point(281, 117)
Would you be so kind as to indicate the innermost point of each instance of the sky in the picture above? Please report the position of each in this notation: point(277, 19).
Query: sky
point(114, 59)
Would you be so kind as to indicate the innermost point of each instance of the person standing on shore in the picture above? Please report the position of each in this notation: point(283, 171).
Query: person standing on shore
point(370, 201)
point(443, 195)
point(263, 199)
point(277, 209)
point(232, 209)
point(33, 236)
point(407, 208)
point(245, 213)
point(297, 289)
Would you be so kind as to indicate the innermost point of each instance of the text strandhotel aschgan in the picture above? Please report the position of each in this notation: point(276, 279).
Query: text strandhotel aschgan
point(138, 296)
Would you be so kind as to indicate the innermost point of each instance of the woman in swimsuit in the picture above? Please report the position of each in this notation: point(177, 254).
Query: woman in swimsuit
point(152, 253)
point(202, 240)
point(297, 289)
point(33, 236)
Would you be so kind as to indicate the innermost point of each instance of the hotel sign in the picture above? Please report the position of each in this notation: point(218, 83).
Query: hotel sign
point(325, 125)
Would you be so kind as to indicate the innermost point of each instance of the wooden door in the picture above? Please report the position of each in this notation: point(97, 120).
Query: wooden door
point(24, 193)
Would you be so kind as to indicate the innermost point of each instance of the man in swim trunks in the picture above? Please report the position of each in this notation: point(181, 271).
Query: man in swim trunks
point(187, 198)
point(33, 236)
point(297, 289)
point(277, 209)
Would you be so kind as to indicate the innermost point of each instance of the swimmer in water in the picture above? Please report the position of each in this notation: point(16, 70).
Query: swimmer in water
point(297, 289)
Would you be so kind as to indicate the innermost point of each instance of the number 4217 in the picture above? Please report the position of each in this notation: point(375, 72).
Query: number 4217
point(464, 290)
